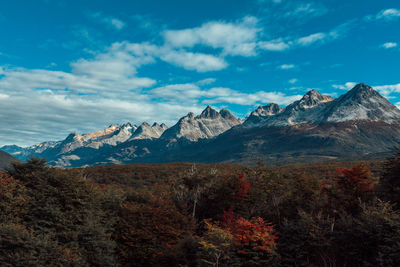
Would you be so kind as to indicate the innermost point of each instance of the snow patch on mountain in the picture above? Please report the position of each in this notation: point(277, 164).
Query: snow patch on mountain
point(360, 103)
point(145, 131)
point(208, 124)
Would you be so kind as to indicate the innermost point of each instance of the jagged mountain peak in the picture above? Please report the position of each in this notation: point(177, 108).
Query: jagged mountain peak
point(144, 124)
point(145, 131)
point(311, 99)
point(189, 115)
point(209, 113)
point(362, 102)
point(208, 124)
point(127, 125)
point(71, 136)
point(362, 91)
point(268, 110)
point(362, 87)
point(226, 114)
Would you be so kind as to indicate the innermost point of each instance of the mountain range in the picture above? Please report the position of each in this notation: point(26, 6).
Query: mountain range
point(360, 124)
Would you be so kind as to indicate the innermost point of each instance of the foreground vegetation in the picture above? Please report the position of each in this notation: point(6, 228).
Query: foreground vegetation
point(201, 215)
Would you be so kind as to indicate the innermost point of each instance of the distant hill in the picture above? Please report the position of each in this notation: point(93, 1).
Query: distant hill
point(6, 160)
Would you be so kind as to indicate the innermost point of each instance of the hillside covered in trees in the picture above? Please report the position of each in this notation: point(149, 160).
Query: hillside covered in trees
point(336, 214)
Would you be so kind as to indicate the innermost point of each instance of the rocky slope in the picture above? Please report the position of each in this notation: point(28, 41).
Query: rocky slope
point(208, 124)
point(6, 160)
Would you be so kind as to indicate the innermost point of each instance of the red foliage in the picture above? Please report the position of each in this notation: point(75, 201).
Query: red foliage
point(253, 234)
point(5, 178)
point(356, 179)
point(242, 187)
point(348, 187)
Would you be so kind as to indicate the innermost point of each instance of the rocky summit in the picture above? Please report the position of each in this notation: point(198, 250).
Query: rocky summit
point(359, 124)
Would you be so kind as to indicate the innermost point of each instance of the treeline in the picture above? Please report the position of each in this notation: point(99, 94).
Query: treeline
point(200, 216)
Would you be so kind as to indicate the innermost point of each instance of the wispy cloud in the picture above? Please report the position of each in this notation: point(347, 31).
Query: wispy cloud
point(389, 14)
point(110, 21)
point(206, 81)
point(192, 93)
point(323, 37)
point(269, 1)
point(193, 61)
point(387, 90)
point(274, 45)
point(306, 9)
point(346, 86)
point(286, 66)
point(312, 38)
point(389, 45)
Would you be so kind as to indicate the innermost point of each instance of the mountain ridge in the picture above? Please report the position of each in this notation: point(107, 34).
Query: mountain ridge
point(310, 125)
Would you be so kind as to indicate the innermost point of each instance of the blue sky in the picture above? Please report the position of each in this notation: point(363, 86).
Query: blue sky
point(81, 65)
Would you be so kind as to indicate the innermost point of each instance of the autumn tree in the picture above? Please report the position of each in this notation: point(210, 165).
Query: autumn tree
point(149, 226)
point(68, 209)
point(349, 187)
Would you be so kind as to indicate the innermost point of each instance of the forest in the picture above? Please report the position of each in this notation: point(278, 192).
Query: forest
point(181, 214)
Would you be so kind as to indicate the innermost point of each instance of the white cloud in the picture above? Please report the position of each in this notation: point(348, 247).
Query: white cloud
point(179, 92)
point(312, 38)
point(346, 86)
point(227, 95)
point(387, 90)
point(112, 22)
point(323, 37)
point(286, 66)
point(193, 61)
point(192, 93)
point(110, 72)
point(117, 23)
point(235, 39)
point(389, 45)
point(307, 9)
point(188, 60)
point(274, 45)
point(4, 96)
point(293, 81)
point(206, 81)
point(273, 1)
point(388, 14)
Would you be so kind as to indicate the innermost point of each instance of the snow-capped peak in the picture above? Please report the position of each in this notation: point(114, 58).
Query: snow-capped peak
point(208, 124)
point(268, 110)
point(360, 103)
point(311, 99)
point(145, 131)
